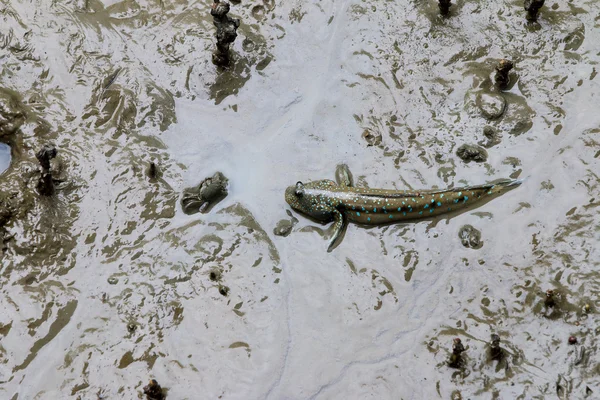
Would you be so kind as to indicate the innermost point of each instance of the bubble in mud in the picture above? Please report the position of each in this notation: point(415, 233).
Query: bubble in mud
point(4, 157)
point(248, 45)
point(492, 136)
point(269, 4)
point(456, 395)
point(492, 105)
point(372, 138)
point(258, 12)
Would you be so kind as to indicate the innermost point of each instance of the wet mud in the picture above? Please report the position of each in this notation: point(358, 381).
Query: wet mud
point(107, 283)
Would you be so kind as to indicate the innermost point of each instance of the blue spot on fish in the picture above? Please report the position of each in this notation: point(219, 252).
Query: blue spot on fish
point(399, 208)
point(375, 209)
point(426, 206)
point(460, 193)
point(404, 213)
point(358, 214)
point(439, 204)
point(456, 201)
point(368, 219)
point(431, 210)
point(465, 200)
point(420, 212)
point(391, 216)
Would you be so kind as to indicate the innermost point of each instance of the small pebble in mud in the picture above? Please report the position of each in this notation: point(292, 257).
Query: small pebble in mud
point(444, 6)
point(203, 197)
point(572, 340)
point(587, 309)
point(372, 139)
point(470, 237)
point(502, 73)
point(472, 152)
point(550, 301)
point(153, 391)
point(533, 7)
point(492, 105)
point(496, 351)
point(224, 290)
point(46, 183)
point(131, 327)
point(493, 137)
point(455, 360)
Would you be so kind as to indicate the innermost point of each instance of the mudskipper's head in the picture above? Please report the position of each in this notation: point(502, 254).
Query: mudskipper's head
point(308, 198)
point(296, 197)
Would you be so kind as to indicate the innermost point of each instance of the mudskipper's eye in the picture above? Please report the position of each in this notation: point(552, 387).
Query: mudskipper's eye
point(299, 189)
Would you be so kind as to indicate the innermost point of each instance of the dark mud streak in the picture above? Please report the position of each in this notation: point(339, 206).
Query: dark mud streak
point(63, 317)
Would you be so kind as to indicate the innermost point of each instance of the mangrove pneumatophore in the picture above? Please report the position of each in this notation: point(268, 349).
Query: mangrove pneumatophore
point(226, 32)
point(502, 70)
point(444, 6)
point(455, 360)
point(46, 184)
point(533, 7)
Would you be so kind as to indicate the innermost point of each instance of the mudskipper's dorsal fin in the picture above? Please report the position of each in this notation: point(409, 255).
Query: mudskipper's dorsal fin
point(343, 176)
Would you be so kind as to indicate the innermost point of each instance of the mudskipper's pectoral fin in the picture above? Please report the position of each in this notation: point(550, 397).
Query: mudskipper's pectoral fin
point(340, 222)
point(343, 176)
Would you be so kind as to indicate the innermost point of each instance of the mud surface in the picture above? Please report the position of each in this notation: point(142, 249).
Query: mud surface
point(223, 307)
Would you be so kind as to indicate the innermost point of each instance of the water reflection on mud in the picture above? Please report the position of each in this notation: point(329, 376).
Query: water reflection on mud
point(107, 282)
